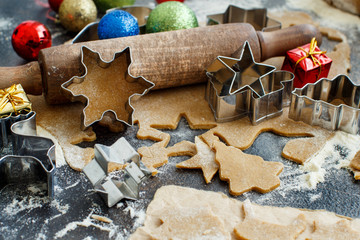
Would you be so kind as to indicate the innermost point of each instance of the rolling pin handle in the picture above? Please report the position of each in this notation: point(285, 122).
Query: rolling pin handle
point(28, 75)
point(276, 43)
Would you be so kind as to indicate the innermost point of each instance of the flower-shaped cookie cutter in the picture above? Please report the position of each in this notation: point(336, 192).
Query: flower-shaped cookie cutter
point(106, 87)
point(257, 17)
point(330, 103)
point(241, 87)
point(89, 32)
point(33, 158)
point(111, 189)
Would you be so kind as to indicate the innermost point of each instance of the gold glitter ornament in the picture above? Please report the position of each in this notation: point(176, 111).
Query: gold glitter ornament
point(74, 15)
point(170, 16)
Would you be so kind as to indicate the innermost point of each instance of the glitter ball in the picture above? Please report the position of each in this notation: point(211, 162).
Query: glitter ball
point(170, 16)
point(117, 23)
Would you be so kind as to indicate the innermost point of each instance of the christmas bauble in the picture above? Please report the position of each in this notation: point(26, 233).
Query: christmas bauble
point(29, 38)
point(104, 5)
point(55, 4)
point(117, 23)
point(170, 16)
point(161, 1)
point(74, 15)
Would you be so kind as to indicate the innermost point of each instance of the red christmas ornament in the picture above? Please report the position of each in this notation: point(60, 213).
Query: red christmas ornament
point(161, 1)
point(55, 4)
point(29, 38)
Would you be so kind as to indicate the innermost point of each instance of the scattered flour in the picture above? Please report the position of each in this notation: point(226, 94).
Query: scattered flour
point(87, 222)
point(27, 203)
point(330, 156)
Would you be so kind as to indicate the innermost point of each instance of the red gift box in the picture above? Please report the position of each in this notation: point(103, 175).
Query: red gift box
point(308, 63)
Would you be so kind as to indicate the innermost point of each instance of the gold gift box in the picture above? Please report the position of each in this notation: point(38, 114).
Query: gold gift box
point(14, 101)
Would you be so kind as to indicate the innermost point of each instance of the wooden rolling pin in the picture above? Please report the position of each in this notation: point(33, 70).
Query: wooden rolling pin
point(168, 59)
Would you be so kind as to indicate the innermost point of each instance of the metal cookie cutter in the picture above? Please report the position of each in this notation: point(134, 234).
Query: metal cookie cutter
point(332, 104)
point(257, 17)
point(106, 87)
point(240, 87)
point(89, 32)
point(33, 156)
point(112, 190)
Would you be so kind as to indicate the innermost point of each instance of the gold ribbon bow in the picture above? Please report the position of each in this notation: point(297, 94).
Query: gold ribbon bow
point(311, 54)
point(10, 95)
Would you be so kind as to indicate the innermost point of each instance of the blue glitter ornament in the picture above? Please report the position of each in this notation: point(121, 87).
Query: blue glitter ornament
point(117, 23)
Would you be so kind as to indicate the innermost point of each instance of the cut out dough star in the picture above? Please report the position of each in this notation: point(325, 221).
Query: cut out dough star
point(106, 87)
point(246, 172)
point(204, 160)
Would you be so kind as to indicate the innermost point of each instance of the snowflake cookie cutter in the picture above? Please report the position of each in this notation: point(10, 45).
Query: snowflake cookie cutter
point(33, 157)
point(257, 17)
point(241, 87)
point(111, 189)
point(106, 87)
point(89, 32)
point(329, 103)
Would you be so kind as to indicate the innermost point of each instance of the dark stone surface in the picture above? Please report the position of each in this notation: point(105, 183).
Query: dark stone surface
point(28, 215)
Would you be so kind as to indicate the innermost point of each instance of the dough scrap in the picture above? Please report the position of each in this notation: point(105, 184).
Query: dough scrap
point(256, 229)
point(204, 160)
point(241, 134)
point(232, 212)
point(163, 109)
point(157, 154)
point(189, 223)
point(355, 162)
point(63, 122)
point(246, 172)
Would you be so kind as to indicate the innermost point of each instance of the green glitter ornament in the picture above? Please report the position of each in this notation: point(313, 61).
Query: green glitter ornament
point(104, 5)
point(170, 16)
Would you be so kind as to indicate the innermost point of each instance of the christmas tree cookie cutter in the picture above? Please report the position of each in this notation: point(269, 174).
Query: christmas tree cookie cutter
point(89, 32)
point(33, 158)
point(257, 17)
point(241, 87)
point(111, 189)
point(106, 87)
point(330, 103)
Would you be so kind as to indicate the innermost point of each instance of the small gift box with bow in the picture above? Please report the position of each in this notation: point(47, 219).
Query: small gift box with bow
point(13, 101)
point(308, 63)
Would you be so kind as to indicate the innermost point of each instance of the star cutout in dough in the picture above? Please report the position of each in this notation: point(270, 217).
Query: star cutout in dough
point(204, 160)
point(246, 172)
point(106, 87)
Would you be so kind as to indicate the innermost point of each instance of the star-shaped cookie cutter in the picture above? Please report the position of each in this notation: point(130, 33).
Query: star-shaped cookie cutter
point(89, 32)
point(33, 157)
point(330, 103)
point(111, 189)
point(241, 87)
point(106, 84)
point(257, 17)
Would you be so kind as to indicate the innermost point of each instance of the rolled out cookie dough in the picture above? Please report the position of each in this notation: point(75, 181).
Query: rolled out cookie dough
point(63, 122)
point(229, 214)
